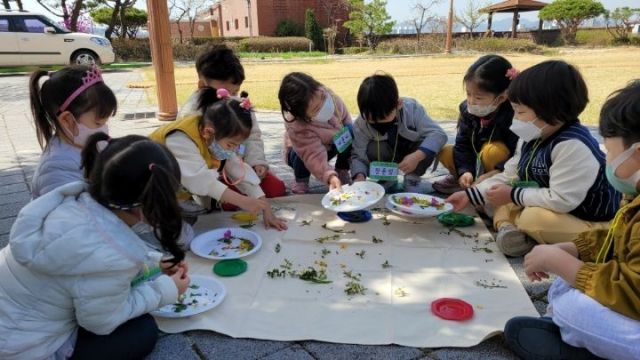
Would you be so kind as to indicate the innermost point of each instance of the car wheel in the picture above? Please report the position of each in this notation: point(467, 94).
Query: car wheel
point(85, 57)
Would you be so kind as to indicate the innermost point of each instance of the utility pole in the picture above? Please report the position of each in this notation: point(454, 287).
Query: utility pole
point(447, 47)
point(249, 17)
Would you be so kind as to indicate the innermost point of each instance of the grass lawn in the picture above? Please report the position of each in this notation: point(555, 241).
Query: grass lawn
point(435, 81)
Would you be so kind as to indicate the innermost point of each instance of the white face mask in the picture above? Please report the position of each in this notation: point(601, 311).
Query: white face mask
point(482, 110)
point(326, 112)
point(84, 133)
point(526, 130)
point(628, 185)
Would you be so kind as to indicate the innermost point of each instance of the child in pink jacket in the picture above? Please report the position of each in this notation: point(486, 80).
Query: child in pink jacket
point(318, 128)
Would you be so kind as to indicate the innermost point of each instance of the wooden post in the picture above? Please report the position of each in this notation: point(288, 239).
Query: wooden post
point(489, 21)
point(540, 32)
point(162, 57)
point(514, 24)
point(447, 46)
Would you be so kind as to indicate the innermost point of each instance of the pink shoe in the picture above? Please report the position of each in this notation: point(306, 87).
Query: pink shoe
point(300, 187)
point(448, 185)
point(344, 176)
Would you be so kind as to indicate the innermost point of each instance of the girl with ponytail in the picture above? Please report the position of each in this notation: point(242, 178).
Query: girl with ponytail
point(69, 106)
point(72, 278)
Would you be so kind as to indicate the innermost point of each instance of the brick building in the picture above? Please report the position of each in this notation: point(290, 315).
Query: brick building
point(201, 28)
point(260, 17)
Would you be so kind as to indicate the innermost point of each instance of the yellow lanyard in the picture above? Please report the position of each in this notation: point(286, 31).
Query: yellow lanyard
point(473, 142)
point(608, 241)
point(395, 146)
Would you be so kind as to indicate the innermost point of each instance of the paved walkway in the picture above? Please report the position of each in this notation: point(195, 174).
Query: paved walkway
point(19, 153)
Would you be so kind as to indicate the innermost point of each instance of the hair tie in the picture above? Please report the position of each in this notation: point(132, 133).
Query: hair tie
point(50, 73)
point(102, 144)
point(222, 93)
point(245, 103)
point(151, 166)
point(512, 73)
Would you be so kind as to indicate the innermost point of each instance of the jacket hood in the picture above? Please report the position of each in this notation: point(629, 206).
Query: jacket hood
point(62, 232)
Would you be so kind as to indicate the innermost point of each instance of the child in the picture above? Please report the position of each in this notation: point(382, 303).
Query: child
point(66, 276)
point(71, 104)
point(594, 304)
point(313, 116)
point(394, 130)
point(205, 147)
point(555, 186)
point(484, 142)
point(219, 68)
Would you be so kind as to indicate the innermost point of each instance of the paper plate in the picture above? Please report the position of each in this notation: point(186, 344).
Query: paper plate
point(203, 294)
point(452, 309)
point(354, 197)
point(401, 212)
point(226, 243)
point(420, 204)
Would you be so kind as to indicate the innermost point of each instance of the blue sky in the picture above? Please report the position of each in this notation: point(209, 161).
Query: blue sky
point(400, 10)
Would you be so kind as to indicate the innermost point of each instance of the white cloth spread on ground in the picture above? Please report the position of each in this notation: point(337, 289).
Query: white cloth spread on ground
point(426, 263)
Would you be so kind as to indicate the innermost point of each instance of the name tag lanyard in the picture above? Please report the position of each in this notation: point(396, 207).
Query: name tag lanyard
point(395, 146)
point(479, 154)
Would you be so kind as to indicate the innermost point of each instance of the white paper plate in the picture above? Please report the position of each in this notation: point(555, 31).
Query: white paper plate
point(354, 197)
point(212, 244)
point(401, 212)
point(415, 208)
point(203, 294)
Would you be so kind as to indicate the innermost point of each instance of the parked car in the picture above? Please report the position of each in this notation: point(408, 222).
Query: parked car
point(33, 39)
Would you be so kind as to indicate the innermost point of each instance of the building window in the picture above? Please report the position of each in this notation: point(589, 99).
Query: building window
point(236, 23)
point(246, 21)
point(227, 26)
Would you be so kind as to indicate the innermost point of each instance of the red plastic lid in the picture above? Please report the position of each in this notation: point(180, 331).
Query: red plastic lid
point(452, 309)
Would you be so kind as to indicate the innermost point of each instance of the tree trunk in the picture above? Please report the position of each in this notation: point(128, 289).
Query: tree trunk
point(19, 3)
point(179, 30)
point(75, 14)
point(123, 21)
point(114, 17)
point(6, 4)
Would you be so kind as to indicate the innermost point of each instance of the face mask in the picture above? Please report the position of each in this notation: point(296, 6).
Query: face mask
point(526, 130)
point(625, 186)
point(482, 110)
point(84, 133)
point(327, 110)
point(218, 152)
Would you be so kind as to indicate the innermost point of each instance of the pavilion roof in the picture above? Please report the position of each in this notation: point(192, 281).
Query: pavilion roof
point(512, 5)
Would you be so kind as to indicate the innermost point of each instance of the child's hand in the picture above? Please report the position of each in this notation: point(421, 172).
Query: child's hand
point(459, 200)
point(271, 220)
point(169, 268)
point(253, 206)
point(261, 170)
point(181, 279)
point(466, 180)
point(536, 263)
point(410, 162)
point(335, 184)
point(499, 195)
point(359, 177)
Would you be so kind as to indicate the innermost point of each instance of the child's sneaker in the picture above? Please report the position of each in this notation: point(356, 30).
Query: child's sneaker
point(344, 176)
point(392, 187)
point(513, 242)
point(300, 187)
point(413, 184)
point(448, 185)
point(190, 208)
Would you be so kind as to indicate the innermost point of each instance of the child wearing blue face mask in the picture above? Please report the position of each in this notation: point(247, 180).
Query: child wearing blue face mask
point(205, 147)
point(554, 187)
point(594, 304)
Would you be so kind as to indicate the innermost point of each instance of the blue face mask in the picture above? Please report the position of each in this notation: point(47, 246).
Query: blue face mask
point(218, 152)
point(625, 186)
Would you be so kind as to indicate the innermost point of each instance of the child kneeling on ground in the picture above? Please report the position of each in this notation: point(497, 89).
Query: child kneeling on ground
point(594, 304)
point(554, 187)
point(67, 284)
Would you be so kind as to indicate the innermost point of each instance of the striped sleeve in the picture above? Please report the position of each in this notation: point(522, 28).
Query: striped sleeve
point(476, 193)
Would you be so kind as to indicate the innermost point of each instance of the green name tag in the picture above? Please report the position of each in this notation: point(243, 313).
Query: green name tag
point(380, 170)
point(343, 139)
point(524, 184)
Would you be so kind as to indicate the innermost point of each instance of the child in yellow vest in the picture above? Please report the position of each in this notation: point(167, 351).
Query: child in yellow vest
point(205, 147)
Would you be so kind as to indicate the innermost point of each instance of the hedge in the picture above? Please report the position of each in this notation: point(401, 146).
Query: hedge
point(274, 44)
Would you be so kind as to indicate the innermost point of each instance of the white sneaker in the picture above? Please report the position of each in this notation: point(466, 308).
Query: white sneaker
point(414, 184)
point(513, 242)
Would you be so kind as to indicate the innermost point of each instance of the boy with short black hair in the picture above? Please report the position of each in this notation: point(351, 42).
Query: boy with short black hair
point(218, 67)
point(594, 304)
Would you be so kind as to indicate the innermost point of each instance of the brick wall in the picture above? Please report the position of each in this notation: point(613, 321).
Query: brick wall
point(202, 28)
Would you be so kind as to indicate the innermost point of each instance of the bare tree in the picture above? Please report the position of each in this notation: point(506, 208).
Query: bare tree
point(470, 16)
point(69, 11)
point(421, 17)
point(19, 3)
point(188, 9)
point(331, 9)
point(6, 4)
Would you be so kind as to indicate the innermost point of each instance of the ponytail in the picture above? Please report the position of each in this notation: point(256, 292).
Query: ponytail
point(44, 127)
point(208, 96)
point(91, 151)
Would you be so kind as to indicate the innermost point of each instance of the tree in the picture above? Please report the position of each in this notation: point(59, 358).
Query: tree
point(312, 30)
point(288, 27)
point(569, 14)
point(470, 16)
point(369, 20)
point(69, 11)
point(331, 9)
point(622, 19)
point(134, 19)
point(420, 9)
point(189, 9)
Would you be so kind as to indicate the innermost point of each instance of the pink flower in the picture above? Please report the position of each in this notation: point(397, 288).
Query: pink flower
point(227, 234)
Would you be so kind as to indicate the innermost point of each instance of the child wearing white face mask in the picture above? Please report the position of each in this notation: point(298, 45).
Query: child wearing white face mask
point(318, 128)
point(594, 304)
point(205, 146)
point(555, 186)
point(71, 105)
point(484, 142)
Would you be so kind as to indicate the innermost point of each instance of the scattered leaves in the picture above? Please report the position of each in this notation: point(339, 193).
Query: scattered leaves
point(377, 240)
point(493, 285)
point(325, 252)
point(386, 265)
point(306, 222)
point(350, 275)
point(275, 273)
point(322, 239)
point(278, 248)
point(338, 231)
point(315, 276)
point(354, 288)
point(400, 292)
point(287, 264)
point(485, 249)
point(361, 254)
point(248, 225)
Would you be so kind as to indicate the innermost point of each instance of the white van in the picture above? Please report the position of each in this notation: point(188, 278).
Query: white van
point(33, 39)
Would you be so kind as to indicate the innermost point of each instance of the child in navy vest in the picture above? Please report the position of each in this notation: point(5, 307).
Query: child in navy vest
point(555, 186)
